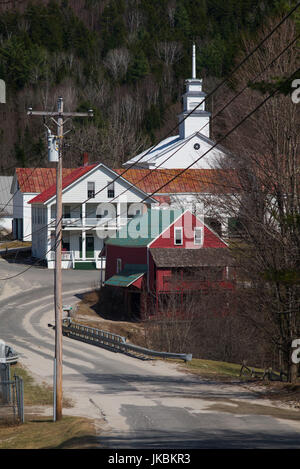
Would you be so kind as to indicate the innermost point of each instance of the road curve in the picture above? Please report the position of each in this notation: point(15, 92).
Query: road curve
point(137, 404)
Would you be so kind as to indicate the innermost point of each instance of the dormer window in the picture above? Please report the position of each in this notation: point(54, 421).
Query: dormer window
point(91, 190)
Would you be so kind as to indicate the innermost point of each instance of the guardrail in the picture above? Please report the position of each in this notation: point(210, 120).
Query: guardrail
point(113, 342)
point(268, 373)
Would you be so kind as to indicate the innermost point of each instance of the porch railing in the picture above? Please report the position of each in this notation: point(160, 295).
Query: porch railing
point(65, 255)
point(70, 256)
point(100, 223)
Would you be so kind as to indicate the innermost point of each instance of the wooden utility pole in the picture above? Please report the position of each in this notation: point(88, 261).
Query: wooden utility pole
point(58, 276)
point(60, 114)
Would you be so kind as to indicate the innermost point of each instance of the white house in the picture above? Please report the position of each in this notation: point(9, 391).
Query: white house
point(6, 205)
point(94, 206)
point(193, 141)
point(27, 183)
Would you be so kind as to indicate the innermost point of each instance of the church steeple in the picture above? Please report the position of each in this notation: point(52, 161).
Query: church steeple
point(199, 119)
point(194, 63)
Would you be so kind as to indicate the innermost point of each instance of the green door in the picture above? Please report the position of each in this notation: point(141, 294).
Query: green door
point(89, 246)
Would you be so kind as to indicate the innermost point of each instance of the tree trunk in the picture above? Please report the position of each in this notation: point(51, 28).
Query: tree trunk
point(293, 372)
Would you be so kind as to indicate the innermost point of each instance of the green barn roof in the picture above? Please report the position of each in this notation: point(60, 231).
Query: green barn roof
point(127, 276)
point(143, 229)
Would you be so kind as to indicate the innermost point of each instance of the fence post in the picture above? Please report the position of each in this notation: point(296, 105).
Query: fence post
point(20, 397)
point(54, 390)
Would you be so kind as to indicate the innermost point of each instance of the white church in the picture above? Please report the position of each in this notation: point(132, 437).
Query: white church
point(186, 149)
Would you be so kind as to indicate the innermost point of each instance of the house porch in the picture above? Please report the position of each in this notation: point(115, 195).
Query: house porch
point(80, 250)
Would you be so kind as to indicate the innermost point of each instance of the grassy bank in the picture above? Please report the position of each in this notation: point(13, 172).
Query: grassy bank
point(213, 368)
point(39, 431)
point(42, 433)
point(14, 244)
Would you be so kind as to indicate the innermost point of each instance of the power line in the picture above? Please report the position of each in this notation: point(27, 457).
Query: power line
point(189, 139)
point(227, 134)
point(185, 169)
point(210, 94)
point(221, 110)
point(216, 144)
point(207, 96)
point(150, 171)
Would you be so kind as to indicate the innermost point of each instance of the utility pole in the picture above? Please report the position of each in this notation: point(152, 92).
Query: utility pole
point(57, 152)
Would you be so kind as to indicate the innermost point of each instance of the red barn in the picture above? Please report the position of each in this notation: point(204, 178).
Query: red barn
point(165, 252)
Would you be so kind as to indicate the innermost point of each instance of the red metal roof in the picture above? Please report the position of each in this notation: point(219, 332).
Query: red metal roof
point(36, 180)
point(43, 180)
point(67, 180)
point(191, 181)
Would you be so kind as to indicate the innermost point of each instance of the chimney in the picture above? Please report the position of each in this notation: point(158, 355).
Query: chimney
point(85, 159)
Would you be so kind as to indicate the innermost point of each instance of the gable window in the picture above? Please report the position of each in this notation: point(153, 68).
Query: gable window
point(178, 236)
point(111, 191)
point(91, 190)
point(198, 236)
point(119, 265)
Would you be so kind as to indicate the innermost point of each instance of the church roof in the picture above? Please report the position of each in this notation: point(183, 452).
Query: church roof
point(151, 153)
point(167, 150)
point(191, 181)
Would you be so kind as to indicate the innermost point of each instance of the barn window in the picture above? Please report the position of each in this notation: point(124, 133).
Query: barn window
point(198, 236)
point(119, 265)
point(178, 236)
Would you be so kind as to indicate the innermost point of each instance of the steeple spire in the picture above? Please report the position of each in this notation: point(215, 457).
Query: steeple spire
point(194, 100)
point(194, 63)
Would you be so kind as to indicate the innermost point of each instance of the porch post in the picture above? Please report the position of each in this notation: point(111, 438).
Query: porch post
point(118, 220)
point(48, 246)
point(83, 214)
point(83, 245)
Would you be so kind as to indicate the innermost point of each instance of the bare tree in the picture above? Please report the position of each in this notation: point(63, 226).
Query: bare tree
point(117, 61)
point(265, 198)
point(169, 51)
point(134, 18)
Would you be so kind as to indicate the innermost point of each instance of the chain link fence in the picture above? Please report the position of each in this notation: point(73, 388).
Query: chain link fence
point(11, 397)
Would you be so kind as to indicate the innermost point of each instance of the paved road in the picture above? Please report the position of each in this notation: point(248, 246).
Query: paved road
point(137, 404)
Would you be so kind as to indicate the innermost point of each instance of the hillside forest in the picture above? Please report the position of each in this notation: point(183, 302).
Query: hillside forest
point(125, 59)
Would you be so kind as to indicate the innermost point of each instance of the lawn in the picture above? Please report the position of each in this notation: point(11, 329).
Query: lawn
point(40, 431)
point(43, 433)
point(14, 244)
